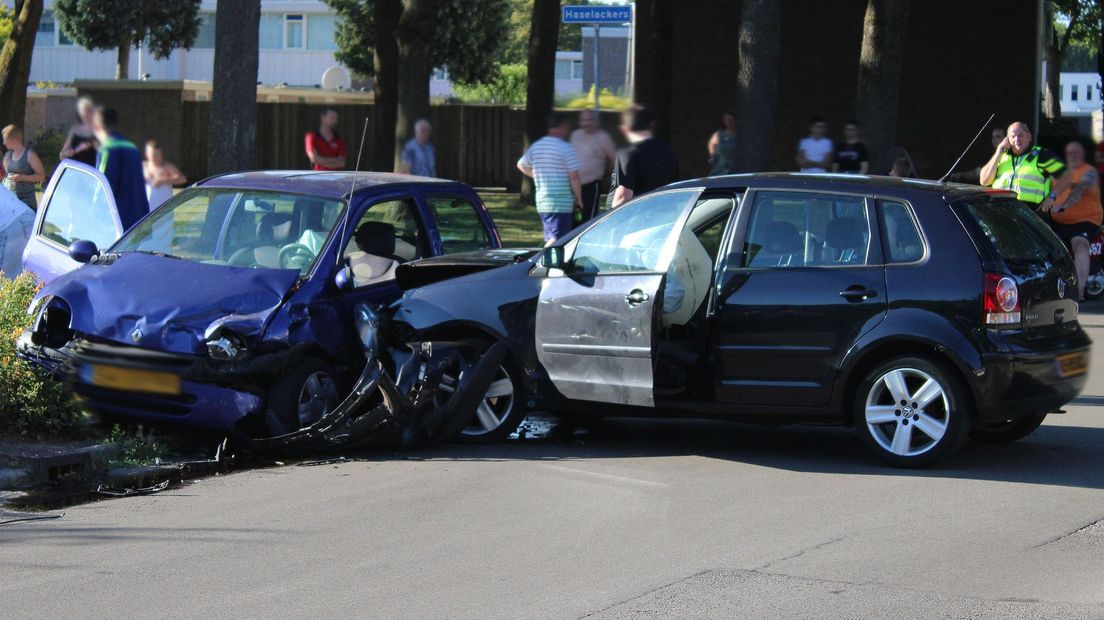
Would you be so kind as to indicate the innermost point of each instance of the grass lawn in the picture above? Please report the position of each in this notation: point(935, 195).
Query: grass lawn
point(517, 223)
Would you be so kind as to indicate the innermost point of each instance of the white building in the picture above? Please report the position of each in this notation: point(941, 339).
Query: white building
point(296, 47)
point(1079, 93)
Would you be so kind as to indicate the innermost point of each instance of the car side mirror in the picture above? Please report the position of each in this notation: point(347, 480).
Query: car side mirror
point(83, 251)
point(343, 280)
point(553, 258)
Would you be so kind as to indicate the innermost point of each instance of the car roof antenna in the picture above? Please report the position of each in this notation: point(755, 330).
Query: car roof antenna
point(959, 160)
point(352, 188)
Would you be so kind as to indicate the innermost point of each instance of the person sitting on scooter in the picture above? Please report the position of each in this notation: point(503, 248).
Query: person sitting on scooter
point(1076, 215)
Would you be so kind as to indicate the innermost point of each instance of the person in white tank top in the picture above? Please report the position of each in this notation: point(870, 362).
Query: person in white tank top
point(161, 176)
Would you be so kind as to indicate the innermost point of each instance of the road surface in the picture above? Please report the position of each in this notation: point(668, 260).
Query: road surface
point(638, 518)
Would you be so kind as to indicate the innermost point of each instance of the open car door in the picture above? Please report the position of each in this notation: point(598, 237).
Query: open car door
point(596, 317)
point(77, 204)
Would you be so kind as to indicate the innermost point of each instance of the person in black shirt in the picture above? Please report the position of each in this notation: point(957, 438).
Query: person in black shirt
point(851, 156)
point(647, 163)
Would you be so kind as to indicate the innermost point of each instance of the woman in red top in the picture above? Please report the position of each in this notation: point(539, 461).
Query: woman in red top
point(326, 149)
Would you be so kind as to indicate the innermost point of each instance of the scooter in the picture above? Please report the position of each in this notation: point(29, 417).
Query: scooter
point(1094, 287)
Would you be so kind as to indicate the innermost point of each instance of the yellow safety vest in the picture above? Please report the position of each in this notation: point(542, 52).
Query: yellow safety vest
point(1025, 175)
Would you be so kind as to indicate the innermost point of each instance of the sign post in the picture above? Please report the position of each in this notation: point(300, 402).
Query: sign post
point(596, 16)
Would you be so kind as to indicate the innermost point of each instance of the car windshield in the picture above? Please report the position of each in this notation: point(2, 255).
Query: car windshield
point(238, 227)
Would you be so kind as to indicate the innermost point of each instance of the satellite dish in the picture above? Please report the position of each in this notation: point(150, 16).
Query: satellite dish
point(336, 78)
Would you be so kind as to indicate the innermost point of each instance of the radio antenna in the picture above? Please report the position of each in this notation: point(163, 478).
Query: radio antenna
point(352, 188)
point(959, 160)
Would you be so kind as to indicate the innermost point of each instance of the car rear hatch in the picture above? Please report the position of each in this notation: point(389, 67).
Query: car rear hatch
point(1013, 242)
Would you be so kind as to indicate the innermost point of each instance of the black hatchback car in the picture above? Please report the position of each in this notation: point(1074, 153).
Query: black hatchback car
point(919, 312)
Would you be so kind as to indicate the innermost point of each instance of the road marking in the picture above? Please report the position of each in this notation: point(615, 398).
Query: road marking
point(592, 475)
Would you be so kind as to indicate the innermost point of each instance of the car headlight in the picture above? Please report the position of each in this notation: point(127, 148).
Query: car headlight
point(225, 347)
point(51, 326)
point(367, 325)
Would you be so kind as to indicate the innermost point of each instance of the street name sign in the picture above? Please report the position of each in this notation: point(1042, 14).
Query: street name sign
point(575, 14)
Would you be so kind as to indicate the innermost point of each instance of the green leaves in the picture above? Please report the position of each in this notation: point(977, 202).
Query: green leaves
point(99, 25)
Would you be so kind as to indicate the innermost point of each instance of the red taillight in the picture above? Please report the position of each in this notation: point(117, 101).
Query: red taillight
point(1002, 300)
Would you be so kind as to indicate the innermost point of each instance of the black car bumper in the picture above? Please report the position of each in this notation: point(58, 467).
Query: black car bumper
point(1017, 385)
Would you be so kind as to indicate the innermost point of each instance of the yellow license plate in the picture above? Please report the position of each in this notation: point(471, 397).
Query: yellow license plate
point(134, 380)
point(1072, 364)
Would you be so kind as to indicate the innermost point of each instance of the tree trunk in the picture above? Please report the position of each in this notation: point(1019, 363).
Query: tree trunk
point(757, 83)
point(232, 127)
point(654, 60)
point(385, 15)
point(880, 77)
point(122, 60)
point(15, 62)
point(1052, 106)
point(415, 43)
point(541, 91)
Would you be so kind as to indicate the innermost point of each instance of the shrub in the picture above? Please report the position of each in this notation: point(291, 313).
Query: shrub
point(507, 86)
point(606, 101)
point(32, 404)
point(135, 448)
point(48, 144)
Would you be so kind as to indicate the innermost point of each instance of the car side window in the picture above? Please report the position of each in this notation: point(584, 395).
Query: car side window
point(79, 209)
point(634, 237)
point(806, 229)
point(459, 224)
point(900, 235)
point(384, 221)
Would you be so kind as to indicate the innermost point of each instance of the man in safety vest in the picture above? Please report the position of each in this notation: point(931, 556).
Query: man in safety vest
point(1035, 174)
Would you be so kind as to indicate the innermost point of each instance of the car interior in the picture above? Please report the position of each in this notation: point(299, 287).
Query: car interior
point(387, 235)
point(277, 234)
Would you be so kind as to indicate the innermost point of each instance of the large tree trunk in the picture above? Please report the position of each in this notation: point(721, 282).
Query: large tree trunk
point(232, 127)
point(540, 92)
point(1052, 106)
point(654, 61)
point(15, 62)
point(880, 76)
point(415, 41)
point(385, 15)
point(122, 60)
point(757, 83)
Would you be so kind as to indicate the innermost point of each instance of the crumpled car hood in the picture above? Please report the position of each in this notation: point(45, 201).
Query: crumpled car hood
point(167, 304)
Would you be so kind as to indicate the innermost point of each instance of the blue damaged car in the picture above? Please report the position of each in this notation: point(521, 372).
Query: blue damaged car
point(232, 306)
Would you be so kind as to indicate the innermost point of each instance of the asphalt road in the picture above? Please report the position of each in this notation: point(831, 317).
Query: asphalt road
point(639, 518)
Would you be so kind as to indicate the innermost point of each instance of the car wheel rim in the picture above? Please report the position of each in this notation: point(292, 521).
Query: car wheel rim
point(316, 398)
point(1094, 285)
point(907, 412)
point(494, 409)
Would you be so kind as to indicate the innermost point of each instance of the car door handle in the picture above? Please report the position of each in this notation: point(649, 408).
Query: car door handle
point(858, 293)
point(636, 297)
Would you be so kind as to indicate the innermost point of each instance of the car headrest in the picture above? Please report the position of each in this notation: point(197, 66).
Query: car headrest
point(377, 238)
point(845, 233)
point(781, 238)
point(274, 228)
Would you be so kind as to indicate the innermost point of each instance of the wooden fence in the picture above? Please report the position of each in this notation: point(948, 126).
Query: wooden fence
point(477, 144)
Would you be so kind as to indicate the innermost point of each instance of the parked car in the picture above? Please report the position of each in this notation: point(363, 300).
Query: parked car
point(916, 311)
point(232, 305)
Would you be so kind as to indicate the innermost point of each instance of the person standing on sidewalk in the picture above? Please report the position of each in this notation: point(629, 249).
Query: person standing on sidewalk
point(596, 153)
point(23, 167)
point(325, 148)
point(1077, 214)
point(814, 153)
point(121, 164)
point(648, 163)
point(1036, 175)
point(418, 157)
point(722, 147)
point(554, 168)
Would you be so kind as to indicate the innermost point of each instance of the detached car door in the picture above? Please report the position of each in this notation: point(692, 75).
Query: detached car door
point(77, 204)
point(804, 285)
point(596, 321)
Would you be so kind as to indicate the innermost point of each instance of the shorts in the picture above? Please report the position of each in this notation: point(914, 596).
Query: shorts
point(556, 225)
point(1065, 232)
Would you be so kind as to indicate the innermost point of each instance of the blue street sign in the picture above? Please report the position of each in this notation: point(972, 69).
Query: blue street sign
point(574, 14)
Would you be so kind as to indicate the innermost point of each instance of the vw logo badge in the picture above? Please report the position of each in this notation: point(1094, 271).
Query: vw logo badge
point(136, 334)
point(1061, 288)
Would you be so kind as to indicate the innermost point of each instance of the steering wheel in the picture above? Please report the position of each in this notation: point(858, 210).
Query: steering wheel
point(295, 256)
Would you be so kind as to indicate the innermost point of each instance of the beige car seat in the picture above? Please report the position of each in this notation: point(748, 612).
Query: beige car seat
point(374, 259)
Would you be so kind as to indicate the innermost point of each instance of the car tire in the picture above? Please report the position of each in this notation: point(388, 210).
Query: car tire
point(1006, 431)
point(1094, 288)
point(300, 398)
point(902, 395)
point(503, 408)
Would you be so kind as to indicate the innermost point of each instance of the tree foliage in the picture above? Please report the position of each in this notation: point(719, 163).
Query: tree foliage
point(507, 86)
point(1070, 23)
point(520, 23)
point(355, 35)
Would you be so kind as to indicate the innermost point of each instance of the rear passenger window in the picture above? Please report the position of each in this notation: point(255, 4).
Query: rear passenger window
point(806, 229)
point(900, 235)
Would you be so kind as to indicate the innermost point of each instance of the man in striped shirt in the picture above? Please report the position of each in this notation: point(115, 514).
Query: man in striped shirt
point(552, 164)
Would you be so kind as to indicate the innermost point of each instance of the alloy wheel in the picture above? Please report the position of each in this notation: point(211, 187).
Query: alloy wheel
point(907, 412)
point(316, 398)
point(494, 409)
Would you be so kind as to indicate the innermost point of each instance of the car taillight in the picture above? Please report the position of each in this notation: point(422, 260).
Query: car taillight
point(1002, 300)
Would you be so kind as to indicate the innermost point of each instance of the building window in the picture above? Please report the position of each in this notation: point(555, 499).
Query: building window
point(1073, 92)
point(320, 32)
point(576, 69)
point(1088, 92)
point(46, 28)
point(205, 39)
point(293, 32)
point(563, 69)
point(271, 35)
point(440, 75)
